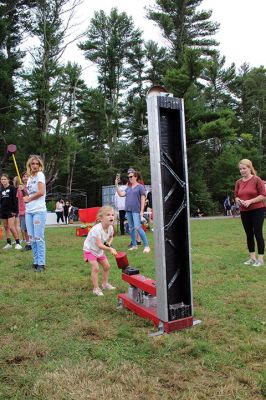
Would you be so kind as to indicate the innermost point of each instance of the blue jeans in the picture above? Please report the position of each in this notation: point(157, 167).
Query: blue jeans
point(35, 227)
point(134, 223)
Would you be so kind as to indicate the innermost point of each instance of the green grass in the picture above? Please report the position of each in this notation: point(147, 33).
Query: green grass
point(60, 342)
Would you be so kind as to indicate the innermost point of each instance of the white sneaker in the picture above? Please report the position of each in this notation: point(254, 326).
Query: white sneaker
point(18, 247)
point(133, 248)
point(146, 249)
point(258, 263)
point(7, 246)
point(108, 286)
point(97, 291)
point(250, 261)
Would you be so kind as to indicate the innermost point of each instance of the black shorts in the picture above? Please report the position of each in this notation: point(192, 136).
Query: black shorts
point(6, 214)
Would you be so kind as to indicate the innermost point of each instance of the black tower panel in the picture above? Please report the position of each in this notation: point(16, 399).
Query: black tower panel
point(170, 183)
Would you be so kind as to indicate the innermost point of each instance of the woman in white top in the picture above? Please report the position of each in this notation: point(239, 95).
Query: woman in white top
point(36, 210)
point(59, 210)
point(120, 203)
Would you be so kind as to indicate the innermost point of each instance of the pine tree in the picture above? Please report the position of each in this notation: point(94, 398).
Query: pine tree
point(184, 26)
point(110, 44)
point(45, 91)
point(218, 82)
point(10, 63)
point(251, 91)
point(158, 61)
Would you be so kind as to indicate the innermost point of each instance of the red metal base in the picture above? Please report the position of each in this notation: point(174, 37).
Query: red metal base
point(140, 281)
point(151, 313)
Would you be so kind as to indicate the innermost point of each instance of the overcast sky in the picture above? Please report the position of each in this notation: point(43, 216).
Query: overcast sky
point(242, 34)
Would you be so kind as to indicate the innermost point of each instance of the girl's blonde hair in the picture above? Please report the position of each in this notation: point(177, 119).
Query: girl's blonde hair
point(102, 211)
point(248, 164)
point(31, 158)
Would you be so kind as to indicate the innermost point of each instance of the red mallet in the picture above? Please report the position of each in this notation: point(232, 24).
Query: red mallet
point(121, 260)
point(11, 149)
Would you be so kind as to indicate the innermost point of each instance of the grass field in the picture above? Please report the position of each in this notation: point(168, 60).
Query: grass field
point(59, 341)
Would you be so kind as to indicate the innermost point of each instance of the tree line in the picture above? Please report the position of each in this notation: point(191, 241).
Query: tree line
point(87, 134)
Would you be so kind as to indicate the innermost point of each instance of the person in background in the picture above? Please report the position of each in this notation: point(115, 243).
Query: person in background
point(249, 194)
point(233, 207)
point(149, 206)
point(99, 239)
point(9, 210)
point(59, 210)
point(71, 213)
point(141, 182)
point(66, 211)
point(36, 210)
point(135, 203)
point(22, 211)
point(198, 213)
point(227, 206)
point(120, 206)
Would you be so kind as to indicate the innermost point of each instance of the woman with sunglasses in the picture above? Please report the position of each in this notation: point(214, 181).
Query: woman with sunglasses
point(135, 203)
point(36, 210)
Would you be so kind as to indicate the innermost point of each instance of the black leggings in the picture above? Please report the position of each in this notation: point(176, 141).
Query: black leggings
point(253, 222)
point(122, 217)
point(59, 215)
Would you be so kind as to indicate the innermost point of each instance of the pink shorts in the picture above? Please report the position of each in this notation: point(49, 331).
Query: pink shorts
point(88, 256)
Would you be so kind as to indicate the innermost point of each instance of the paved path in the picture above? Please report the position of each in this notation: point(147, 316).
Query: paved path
point(215, 217)
point(78, 224)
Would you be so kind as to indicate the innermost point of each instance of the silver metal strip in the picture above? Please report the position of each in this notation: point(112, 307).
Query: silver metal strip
point(184, 145)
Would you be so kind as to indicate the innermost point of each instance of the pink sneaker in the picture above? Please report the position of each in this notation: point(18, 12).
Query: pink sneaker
point(108, 286)
point(97, 291)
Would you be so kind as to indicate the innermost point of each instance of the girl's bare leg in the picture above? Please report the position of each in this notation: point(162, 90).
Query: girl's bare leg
point(94, 273)
point(17, 226)
point(106, 268)
point(6, 227)
point(12, 228)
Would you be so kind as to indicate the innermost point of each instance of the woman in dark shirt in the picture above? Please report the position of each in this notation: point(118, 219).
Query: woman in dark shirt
point(9, 210)
point(249, 194)
point(66, 211)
